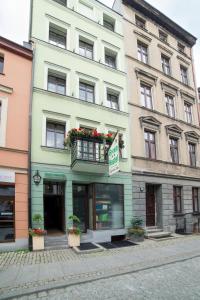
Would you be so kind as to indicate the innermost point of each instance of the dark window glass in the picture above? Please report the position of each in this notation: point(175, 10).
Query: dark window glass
point(146, 97)
point(1, 64)
point(184, 75)
point(195, 199)
point(62, 2)
point(177, 199)
point(192, 154)
point(174, 150)
point(169, 100)
point(110, 61)
point(163, 36)
point(181, 48)
point(165, 64)
point(188, 112)
point(86, 92)
point(7, 225)
point(86, 49)
point(109, 206)
point(150, 145)
point(56, 84)
point(57, 37)
point(55, 134)
point(140, 22)
point(109, 24)
point(142, 53)
point(113, 101)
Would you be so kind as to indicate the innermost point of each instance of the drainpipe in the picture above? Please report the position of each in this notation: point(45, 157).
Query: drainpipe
point(195, 85)
point(30, 130)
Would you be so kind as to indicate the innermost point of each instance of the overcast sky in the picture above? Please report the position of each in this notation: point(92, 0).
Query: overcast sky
point(14, 19)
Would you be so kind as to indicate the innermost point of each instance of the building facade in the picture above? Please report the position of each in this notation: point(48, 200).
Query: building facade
point(79, 83)
point(15, 80)
point(164, 119)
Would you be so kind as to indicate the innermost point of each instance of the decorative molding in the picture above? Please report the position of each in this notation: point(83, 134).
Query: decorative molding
point(165, 49)
point(6, 89)
point(140, 34)
point(145, 75)
point(183, 60)
point(187, 97)
point(192, 136)
point(57, 20)
point(169, 87)
point(150, 122)
point(174, 130)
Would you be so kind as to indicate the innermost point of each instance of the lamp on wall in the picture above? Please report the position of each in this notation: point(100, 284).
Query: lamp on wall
point(37, 177)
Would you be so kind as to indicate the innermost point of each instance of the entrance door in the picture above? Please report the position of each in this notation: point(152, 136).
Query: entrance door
point(54, 208)
point(150, 205)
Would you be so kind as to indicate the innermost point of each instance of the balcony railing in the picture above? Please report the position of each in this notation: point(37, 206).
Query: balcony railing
point(89, 155)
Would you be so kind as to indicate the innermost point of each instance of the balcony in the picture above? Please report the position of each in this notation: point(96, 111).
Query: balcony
point(89, 155)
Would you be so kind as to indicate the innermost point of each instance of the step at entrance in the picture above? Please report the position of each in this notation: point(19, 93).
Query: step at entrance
point(156, 233)
point(55, 242)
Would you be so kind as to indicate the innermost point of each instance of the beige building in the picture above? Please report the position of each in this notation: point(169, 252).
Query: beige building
point(163, 118)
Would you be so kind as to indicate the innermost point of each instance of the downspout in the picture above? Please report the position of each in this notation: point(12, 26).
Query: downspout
point(30, 130)
point(195, 85)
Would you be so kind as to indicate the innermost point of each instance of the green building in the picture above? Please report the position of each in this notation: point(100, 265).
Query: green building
point(79, 82)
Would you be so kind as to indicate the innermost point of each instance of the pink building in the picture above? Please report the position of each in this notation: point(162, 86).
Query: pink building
point(15, 90)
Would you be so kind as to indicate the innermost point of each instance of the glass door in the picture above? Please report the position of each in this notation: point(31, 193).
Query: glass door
point(7, 221)
point(80, 204)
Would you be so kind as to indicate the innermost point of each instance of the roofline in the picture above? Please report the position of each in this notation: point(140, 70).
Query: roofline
point(160, 18)
point(15, 48)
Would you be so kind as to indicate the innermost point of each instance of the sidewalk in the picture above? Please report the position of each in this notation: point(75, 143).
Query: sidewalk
point(21, 273)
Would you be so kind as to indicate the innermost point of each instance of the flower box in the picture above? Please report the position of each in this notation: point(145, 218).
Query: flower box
point(73, 240)
point(38, 242)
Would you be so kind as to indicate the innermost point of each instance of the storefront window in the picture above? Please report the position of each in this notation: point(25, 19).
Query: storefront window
point(7, 194)
point(109, 206)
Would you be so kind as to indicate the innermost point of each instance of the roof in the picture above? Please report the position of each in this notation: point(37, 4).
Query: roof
point(161, 19)
point(15, 48)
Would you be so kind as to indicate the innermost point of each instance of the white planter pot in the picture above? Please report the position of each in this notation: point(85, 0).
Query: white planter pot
point(73, 240)
point(38, 242)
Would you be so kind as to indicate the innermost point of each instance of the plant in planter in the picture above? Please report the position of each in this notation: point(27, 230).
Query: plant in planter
point(136, 232)
point(37, 233)
point(74, 232)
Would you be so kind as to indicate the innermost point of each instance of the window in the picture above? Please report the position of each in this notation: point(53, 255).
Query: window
point(169, 100)
point(56, 84)
point(113, 101)
point(165, 64)
point(150, 145)
point(174, 150)
point(142, 53)
point(184, 75)
point(7, 218)
point(177, 199)
point(146, 97)
point(55, 135)
point(195, 199)
point(108, 23)
point(62, 2)
point(110, 59)
point(188, 112)
point(163, 36)
point(1, 64)
point(192, 154)
point(181, 48)
point(86, 49)
point(86, 92)
point(57, 37)
point(140, 22)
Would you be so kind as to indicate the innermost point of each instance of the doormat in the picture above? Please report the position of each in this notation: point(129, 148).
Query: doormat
point(117, 244)
point(87, 246)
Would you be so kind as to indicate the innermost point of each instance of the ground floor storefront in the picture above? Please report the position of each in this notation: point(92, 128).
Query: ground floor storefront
point(170, 203)
point(13, 209)
point(102, 203)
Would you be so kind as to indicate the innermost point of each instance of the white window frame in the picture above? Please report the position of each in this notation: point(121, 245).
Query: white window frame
point(3, 120)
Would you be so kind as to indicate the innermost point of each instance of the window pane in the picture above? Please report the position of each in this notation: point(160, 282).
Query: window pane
point(50, 139)
point(7, 213)
point(1, 64)
point(60, 140)
point(109, 206)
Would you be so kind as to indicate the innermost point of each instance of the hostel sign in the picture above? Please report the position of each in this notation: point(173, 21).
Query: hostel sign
point(113, 156)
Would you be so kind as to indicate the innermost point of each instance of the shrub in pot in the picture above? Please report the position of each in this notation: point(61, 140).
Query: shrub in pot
point(37, 233)
point(74, 232)
point(136, 232)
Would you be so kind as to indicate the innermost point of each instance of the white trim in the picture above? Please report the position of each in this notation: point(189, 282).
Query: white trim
point(3, 120)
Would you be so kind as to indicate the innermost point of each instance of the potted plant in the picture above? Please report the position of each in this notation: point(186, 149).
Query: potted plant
point(136, 232)
point(74, 232)
point(37, 233)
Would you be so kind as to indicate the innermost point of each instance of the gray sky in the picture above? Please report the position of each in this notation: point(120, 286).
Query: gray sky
point(14, 19)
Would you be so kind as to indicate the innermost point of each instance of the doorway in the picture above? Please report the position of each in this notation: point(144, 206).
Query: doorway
point(81, 205)
point(54, 208)
point(150, 205)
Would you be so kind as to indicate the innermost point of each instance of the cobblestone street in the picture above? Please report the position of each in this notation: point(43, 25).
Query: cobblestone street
point(38, 274)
